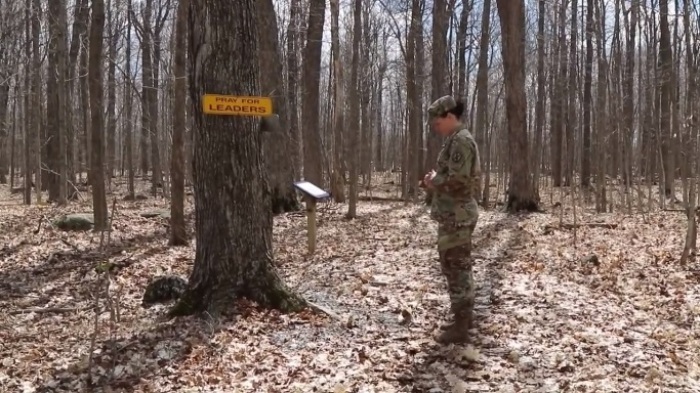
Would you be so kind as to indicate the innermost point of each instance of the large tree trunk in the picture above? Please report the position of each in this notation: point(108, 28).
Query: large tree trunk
point(232, 198)
point(277, 145)
point(521, 195)
point(178, 232)
point(99, 199)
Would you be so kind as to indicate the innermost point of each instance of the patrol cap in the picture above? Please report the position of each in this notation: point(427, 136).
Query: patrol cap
point(441, 106)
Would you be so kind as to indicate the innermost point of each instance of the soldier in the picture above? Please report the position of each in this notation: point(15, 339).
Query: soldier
point(455, 185)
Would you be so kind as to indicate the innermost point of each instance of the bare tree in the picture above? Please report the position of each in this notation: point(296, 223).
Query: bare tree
point(278, 143)
point(354, 128)
point(178, 231)
point(99, 198)
point(311, 79)
point(337, 178)
point(482, 94)
point(521, 195)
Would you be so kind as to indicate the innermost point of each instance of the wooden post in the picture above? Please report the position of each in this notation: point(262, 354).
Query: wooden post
point(312, 195)
point(311, 223)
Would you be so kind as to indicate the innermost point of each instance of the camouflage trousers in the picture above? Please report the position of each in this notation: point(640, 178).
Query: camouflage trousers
point(456, 265)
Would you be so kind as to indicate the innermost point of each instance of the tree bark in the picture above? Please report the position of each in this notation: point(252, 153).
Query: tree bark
point(521, 195)
point(354, 126)
point(337, 176)
point(78, 32)
point(572, 108)
point(35, 110)
point(311, 80)
point(128, 126)
point(666, 80)
point(557, 96)
point(99, 199)
point(111, 96)
point(28, 167)
point(482, 88)
point(178, 230)
point(440, 76)
point(277, 144)
point(293, 82)
point(587, 98)
point(56, 97)
point(232, 197)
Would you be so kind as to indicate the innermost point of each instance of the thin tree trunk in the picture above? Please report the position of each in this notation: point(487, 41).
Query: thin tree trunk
point(128, 94)
point(99, 199)
point(482, 87)
point(36, 106)
point(311, 80)
point(178, 230)
point(111, 96)
point(353, 129)
point(277, 144)
point(337, 176)
point(587, 98)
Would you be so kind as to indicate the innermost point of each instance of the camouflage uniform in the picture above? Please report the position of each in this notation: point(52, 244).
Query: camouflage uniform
point(456, 185)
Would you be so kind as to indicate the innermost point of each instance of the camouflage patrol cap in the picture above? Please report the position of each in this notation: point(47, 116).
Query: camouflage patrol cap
point(441, 106)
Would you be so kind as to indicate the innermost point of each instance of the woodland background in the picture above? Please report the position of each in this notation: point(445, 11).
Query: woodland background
point(590, 125)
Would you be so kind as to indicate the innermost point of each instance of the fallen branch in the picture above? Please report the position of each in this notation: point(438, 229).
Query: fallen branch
point(580, 225)
point(324, 310)
point(49, 310)
point(379, 199)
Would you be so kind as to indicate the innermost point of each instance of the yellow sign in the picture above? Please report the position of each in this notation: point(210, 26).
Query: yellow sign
point(214, 104)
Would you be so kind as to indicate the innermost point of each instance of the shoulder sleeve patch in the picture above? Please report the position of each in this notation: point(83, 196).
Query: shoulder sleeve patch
point(457, 157)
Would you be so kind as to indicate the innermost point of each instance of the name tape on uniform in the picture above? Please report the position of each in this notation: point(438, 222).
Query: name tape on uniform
point(214, 104)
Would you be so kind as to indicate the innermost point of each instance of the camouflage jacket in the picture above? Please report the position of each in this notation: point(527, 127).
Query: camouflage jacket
point(457, 183)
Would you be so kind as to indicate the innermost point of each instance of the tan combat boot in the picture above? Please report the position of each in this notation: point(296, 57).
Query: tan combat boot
point(458, 331)
point(447, 325)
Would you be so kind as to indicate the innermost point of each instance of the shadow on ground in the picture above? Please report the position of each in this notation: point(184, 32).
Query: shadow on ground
point(58, 268)
point(491, 245)
point(122, 364)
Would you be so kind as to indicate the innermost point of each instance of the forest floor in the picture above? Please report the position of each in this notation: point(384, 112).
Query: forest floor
point(610, 311)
